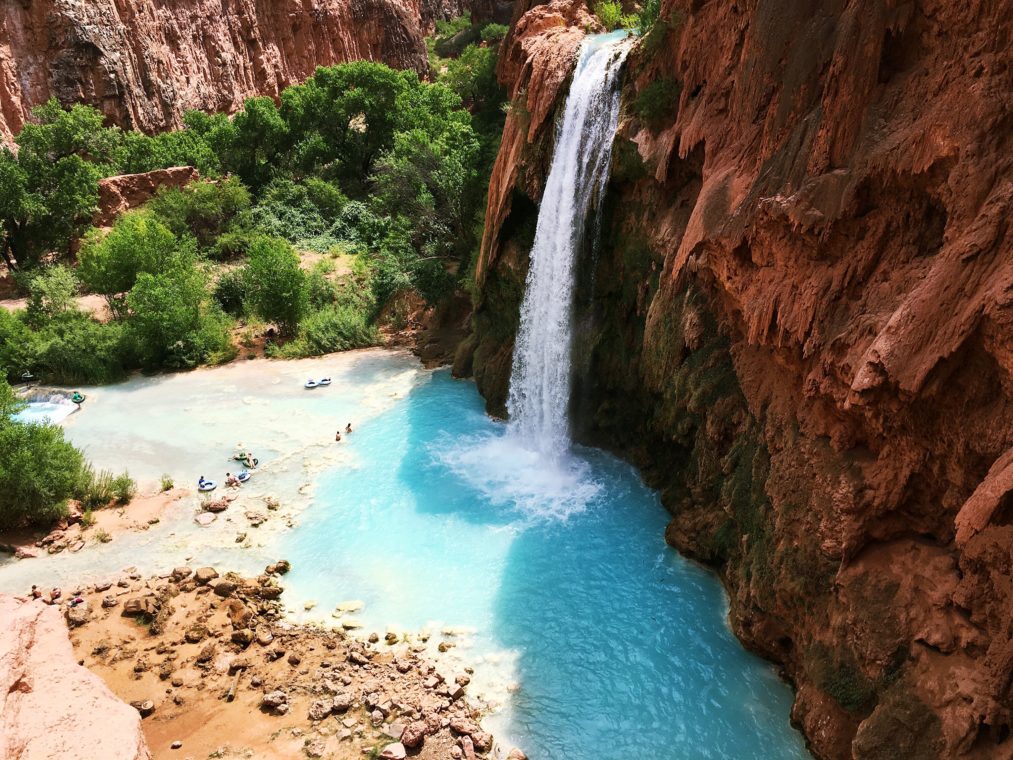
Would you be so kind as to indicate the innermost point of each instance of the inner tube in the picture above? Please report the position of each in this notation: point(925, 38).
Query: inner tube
point(78, 398)
point(243, 476)
point(325, 381)
point(311, 384)
point(241, 458)
point(209, 485)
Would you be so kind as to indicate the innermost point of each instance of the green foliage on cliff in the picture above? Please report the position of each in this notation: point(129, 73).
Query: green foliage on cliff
point(658, 102)
point(610, 15)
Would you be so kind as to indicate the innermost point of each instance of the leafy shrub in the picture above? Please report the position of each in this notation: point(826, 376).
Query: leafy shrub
point(496, 32)
point(93, 489)
point(320, 291)
point(39, 469)
point(610, 14)
point(110, 263)
point(300, 213)
point(185, 147)
point(173, 323)
point(203, 209)
point(77, 349)
point(275, 284)
point(230, 292)
point(658, 102)
point(124, 488)
point(333, 328)
point(167, 483)
point(51, 294)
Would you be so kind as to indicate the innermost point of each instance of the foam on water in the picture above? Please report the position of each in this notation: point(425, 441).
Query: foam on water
point(53, 410)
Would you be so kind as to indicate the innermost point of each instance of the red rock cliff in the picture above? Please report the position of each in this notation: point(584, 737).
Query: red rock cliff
point(145, 62)
point(803, 331)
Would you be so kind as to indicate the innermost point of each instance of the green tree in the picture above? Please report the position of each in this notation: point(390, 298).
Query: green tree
point(49, 190)
point(205, 210)
point(275, 284)
point(173, 323)
point(51, 294)
point(39, 470)
point(110, 263)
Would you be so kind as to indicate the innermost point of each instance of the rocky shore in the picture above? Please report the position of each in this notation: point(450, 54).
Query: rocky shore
point(215, 671)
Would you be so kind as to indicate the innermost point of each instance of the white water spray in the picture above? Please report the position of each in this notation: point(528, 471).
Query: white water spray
point(540, 378)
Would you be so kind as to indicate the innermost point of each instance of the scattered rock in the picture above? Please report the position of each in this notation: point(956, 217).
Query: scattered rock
point(280, 567)
point(315, 748)
point(320, 709)
point(205, 575)
point(414, 734)
point(275, 702)
point(516, 754)
point(264, 636)
point(78, 615)
point(109, 601)
point(196, 633)
point(176, 744)
point(181, 573)
point(140, 606)
point(205, 518)
point(225, 588)
point(395, 751)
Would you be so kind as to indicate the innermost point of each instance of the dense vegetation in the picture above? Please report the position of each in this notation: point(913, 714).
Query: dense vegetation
point(40, 471)
point(364, 171)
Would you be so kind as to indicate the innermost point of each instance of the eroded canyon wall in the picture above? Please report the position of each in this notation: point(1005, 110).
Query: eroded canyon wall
point(798, 322)
point(145, 62)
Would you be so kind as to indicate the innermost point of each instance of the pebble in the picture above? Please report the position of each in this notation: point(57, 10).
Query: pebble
point(176, 744)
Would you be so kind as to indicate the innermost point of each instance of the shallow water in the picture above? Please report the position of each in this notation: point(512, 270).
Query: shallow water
point(594, 640)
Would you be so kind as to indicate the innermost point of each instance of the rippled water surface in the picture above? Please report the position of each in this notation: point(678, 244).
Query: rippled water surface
point(590, 638)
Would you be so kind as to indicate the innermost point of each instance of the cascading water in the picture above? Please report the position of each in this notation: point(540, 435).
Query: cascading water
point(540, 378)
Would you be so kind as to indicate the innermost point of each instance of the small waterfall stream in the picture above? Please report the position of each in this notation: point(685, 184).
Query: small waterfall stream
point(540, 377)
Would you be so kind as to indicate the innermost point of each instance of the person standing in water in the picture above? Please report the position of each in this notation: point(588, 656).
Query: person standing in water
point(337, 436)
point(348, 428)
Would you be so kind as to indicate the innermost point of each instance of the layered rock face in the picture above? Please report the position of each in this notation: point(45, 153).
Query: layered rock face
point(49, 705)
point(798, 322)
point(145, 62)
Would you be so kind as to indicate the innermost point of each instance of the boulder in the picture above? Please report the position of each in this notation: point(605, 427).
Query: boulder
point(78, 615)
point(395, 751)
point(225, 588)
point(414, 734)
point(181, 573)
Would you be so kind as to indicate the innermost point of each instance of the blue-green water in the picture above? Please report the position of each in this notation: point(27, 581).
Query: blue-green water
point(614, 646)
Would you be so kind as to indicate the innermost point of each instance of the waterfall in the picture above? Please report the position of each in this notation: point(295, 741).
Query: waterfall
point(540, 377)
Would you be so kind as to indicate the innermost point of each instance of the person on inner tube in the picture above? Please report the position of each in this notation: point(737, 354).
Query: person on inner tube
point(231, 480)
point(201, 482)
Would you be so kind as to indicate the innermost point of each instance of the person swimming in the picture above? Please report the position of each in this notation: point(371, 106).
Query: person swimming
point(337, 436)
point(231, 480)
point(348, 428)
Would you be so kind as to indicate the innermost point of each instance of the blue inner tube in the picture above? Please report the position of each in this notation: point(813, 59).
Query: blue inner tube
point(209, 485)
point(243, 476)
point(325, 381)
point(311, 384)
